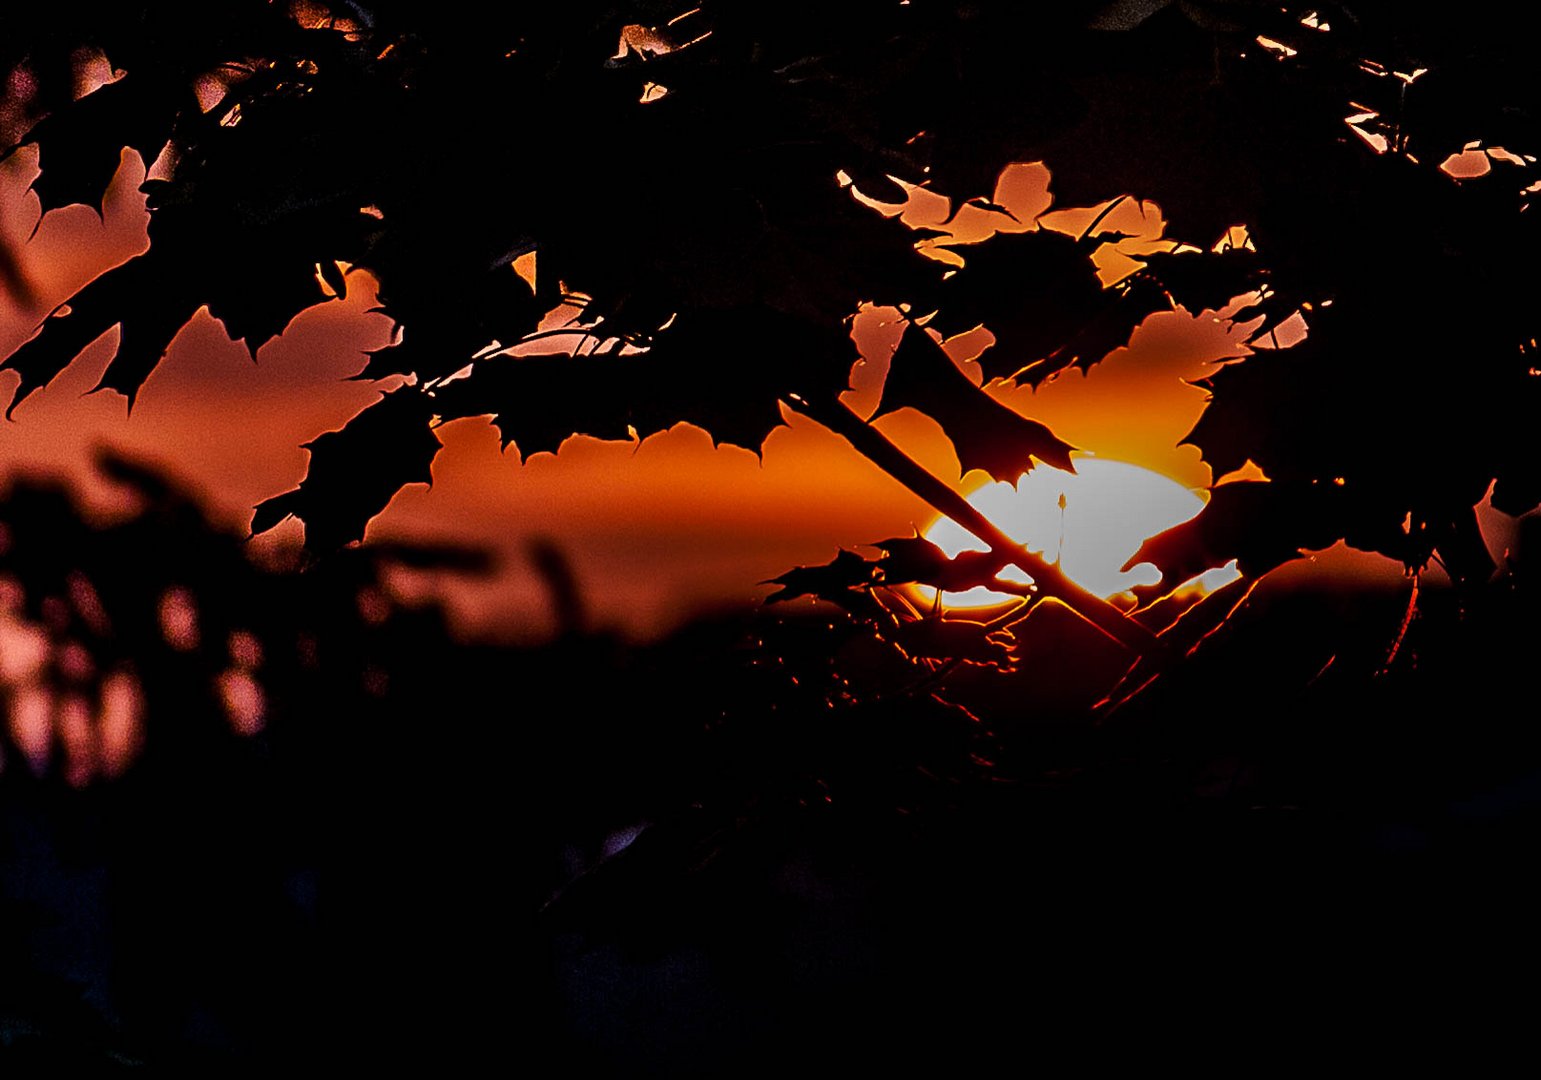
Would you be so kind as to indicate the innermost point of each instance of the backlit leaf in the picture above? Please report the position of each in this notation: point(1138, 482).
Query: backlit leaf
point(356, 470)
point(986, 434)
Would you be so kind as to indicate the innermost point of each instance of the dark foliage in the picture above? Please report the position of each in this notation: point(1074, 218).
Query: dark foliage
point(674, 174)
point(818, 839)
point(986, 434)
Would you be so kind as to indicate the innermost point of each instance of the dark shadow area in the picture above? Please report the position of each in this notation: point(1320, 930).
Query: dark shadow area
point(764, 843)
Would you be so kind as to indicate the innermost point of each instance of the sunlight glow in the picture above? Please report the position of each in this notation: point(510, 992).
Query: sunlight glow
point(1091, 522)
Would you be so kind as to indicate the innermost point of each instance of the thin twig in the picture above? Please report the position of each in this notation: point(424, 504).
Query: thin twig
point(1407, 622)
point(1106, 210)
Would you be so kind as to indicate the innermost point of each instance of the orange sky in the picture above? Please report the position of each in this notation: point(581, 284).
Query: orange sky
point(655, 532)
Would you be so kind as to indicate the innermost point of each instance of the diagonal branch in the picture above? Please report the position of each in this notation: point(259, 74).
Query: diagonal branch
point(1050, 579)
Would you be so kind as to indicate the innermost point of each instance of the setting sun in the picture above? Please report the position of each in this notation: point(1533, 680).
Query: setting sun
point(1091, 522)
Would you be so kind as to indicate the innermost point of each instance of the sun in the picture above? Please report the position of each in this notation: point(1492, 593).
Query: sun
point(1090, 521)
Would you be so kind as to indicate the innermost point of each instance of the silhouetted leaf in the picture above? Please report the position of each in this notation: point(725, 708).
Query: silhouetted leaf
point(1260, 525)
point(916, 559)
point(717, 259)
point(354, 471)
point(93, 311)
point(80, 146)
point(986, 434)
point(1206, 282)
point(832, 581)
point(539, 401)
point(146, 334)
point(1128, 304)
point(725, 371)
point(1034, 291)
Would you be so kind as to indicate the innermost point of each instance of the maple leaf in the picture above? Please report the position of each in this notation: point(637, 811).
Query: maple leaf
point(134, 296)
point(986, 434)
point(1034, 291)
point(916, 559)
point(80, 147)
point(1259, 524)
point(832, 581)
point(356, 470)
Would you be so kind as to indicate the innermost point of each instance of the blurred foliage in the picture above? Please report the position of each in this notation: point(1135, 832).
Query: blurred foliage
point(753, 830)
point(195, 877)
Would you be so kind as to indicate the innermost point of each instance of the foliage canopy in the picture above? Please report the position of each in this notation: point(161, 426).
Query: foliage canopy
point(681, 176)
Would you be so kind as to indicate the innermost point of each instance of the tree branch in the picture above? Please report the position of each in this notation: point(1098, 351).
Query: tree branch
point(1050, 579)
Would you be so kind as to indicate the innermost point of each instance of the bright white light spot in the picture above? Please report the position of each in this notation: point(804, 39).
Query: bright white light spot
point(1210, 580)
point(1109, 509)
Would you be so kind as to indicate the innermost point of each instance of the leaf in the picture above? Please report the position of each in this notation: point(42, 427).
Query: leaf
point(916, 559)
point(79, 147)
point(448, 293)
point(1206, 281)
point(147, 333)
point(725, 371)
point(60, 339)
point(832, 581)
point(355, 471)
point(1518, 474)
point(990, 90)
point(1165, 83)
point(986, 434)
point(540, 401)
point(93, 311)
point(1261, 525)
point(1034, 291)
point(1129, 304)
